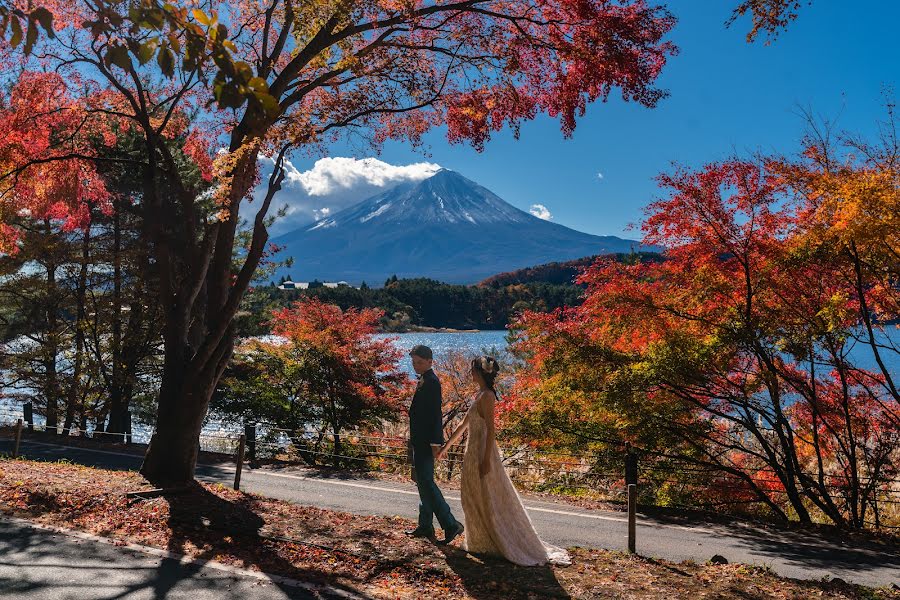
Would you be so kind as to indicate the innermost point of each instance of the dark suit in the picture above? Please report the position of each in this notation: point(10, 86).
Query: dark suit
point(426, 428)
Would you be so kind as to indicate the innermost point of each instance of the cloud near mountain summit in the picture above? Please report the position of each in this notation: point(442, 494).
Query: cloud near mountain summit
point(333, 184)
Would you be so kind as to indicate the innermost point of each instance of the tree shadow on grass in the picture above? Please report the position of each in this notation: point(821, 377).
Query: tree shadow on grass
point(488, 577)
point(207, 526)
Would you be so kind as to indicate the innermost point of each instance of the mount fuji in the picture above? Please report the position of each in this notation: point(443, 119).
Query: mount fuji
point(445, 227)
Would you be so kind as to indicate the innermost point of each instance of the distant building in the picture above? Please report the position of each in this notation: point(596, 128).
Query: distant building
point(304, 285)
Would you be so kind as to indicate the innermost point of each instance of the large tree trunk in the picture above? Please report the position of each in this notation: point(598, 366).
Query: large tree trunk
point(183, 402)
point(202, 293)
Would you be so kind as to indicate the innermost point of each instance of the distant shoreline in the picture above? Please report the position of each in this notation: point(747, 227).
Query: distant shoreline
point(425, 329)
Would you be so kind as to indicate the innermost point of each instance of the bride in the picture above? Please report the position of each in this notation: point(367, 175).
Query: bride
point(496, 521)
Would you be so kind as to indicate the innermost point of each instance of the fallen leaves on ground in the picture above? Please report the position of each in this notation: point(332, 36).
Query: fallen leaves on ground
point(366, 554)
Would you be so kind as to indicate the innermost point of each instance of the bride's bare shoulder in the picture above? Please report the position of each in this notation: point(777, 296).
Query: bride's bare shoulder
point(485, 402)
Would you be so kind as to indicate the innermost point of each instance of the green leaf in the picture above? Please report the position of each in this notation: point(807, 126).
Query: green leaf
point(96, 27)
point(243, 72)
point(166, 61)
point(223, 61)
point(155, 17)
point(269, 104)
point(118, 55)
point(227, 93)
point(201, 16)
point(45, 18)
point(16, 32)
point(258, 84)
point(31, 36)
point(146, 50)
point(188, 63)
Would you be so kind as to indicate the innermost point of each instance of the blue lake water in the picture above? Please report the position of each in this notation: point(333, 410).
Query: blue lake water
point(443, 343)
point(495, 341)
point(477, 342)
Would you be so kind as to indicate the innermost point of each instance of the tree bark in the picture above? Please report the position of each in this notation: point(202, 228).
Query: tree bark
point(74, 397)
point(51, 342)
point(117, 404)
point(183, 402)
point(196, 277)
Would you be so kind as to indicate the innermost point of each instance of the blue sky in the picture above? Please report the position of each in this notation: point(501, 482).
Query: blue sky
point(727, 97)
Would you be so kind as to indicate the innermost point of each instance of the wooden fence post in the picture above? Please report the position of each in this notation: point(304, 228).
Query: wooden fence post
point(240, 462)
point(631, 479)
point(632, 507)
point(18, 438)
point(28, 413)
point(126, 417)
point(250, 437)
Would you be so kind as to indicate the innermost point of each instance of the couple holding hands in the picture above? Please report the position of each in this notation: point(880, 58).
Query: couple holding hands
point(496, 521)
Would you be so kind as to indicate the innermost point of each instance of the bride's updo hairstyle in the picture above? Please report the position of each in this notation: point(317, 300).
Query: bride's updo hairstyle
point(489, 369)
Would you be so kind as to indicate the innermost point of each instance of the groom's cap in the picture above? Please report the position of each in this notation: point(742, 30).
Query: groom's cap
point(421, 351)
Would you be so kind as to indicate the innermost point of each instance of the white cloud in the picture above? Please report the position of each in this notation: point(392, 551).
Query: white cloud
point(330, 176)
point(541, 212)
point(599, 175)
point(333, 184)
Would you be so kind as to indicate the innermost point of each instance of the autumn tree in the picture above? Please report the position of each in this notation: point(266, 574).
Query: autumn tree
point(269, 78)
point(768, 16)
point(732, 355)
point(41, 208)
point(458, 391)
point(327, 372)
point(851, 218)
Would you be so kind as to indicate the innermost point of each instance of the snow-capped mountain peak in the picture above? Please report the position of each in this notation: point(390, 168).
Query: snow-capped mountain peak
point(446, 197)
point(446, 227)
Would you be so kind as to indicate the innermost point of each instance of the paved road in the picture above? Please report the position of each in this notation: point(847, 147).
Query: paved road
point(37, 564)
point(792, 554)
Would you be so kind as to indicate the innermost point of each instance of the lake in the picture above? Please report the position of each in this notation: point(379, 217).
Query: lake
point(478, 341)
point(442, 343)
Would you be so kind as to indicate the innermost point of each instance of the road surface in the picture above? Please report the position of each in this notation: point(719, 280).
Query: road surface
point(38, 563)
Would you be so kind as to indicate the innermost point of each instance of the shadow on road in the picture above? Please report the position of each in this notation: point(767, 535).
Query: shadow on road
point(812, 549)
point(486, 577)
point(33, 561)
point(205, 525)
point(825, 548)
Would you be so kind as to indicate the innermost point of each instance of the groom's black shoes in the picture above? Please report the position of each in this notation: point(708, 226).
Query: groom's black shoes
point(451, 534)
point(419, 533)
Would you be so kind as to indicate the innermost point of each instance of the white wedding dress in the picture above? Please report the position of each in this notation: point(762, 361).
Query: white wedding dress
point(496, 521)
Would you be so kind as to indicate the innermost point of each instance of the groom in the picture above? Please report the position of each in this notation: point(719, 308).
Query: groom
point(425, 438)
